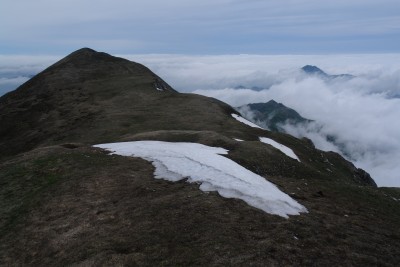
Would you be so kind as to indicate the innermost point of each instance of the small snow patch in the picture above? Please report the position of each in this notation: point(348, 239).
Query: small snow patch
point(237, 139)
point(205, 165)
point(159, 89)
point(284, 149)
point(243, 120)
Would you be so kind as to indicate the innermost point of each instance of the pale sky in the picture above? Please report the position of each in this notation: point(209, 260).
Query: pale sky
point(200, 27)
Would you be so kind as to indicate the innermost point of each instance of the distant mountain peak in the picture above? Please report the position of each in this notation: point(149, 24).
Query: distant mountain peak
point(86, 56)
point(73, 92)
point(314, 70)
point(254, 88)
point(273, 102)
point(84, 53)
point(84, 50)
point(271, 115)
point(86, 64)
point(87, 49)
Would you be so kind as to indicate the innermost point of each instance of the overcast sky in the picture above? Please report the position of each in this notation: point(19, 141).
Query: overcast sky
point(200, 27)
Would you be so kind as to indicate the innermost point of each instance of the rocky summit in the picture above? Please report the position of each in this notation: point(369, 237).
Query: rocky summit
point(66, 201)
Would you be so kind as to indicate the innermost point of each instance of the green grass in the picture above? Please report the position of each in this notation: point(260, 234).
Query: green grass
point(21, 187)
point(120, 214)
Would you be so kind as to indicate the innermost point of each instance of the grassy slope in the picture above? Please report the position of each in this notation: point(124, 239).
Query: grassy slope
point(81, 206)
point(62, 206)
point(272, 114)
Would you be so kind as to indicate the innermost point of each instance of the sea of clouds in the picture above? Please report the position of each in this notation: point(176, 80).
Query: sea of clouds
point(361, 114)
point(15, 70)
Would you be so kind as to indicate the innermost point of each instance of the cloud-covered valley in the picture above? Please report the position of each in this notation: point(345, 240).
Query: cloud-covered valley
point(15, 70)
point(361, 114)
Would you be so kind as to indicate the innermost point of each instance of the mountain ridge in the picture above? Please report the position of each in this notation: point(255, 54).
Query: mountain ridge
point(71, 94)
point(315, 71)
point(65, 202)
point(271, 115)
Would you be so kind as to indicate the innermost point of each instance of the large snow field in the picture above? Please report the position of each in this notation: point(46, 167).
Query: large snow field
point(206, 166)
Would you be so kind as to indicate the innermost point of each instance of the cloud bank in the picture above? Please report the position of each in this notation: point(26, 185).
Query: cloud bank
point(360, 114)
point(15, 70)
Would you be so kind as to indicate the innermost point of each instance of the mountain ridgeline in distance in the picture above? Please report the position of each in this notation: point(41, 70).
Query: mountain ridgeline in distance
point(277, 117)
point(65, 202)
point(271, 115)
point(308, 70)
point(315, 71)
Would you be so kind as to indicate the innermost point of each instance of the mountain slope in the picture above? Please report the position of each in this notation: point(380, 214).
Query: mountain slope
point(93, 97)
point(85, 207)
point(64, 202)
point(271, 115)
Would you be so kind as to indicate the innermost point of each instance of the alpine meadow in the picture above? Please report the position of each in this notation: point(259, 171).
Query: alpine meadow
point(211, 133)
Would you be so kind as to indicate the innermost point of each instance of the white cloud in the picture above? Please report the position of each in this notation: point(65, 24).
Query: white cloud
point(357, 112)
point(25, 63)
point(17, 69)
point(365, 125)
point(8, 84)
point(188, 73)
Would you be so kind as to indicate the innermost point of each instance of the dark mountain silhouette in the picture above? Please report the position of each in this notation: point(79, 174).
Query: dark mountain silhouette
point(254, 88)
point(314, 70)
point(64, 202)
point(94, 97)
point(271, 115)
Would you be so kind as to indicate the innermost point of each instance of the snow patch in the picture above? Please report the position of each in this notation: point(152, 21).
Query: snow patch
point(243, 120)
point(204, 165)
point(237, 139)
point(284, 149)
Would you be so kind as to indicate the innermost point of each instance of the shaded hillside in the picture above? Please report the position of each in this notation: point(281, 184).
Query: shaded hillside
point(271, 115)
point(94, 97)
point(64, 202)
